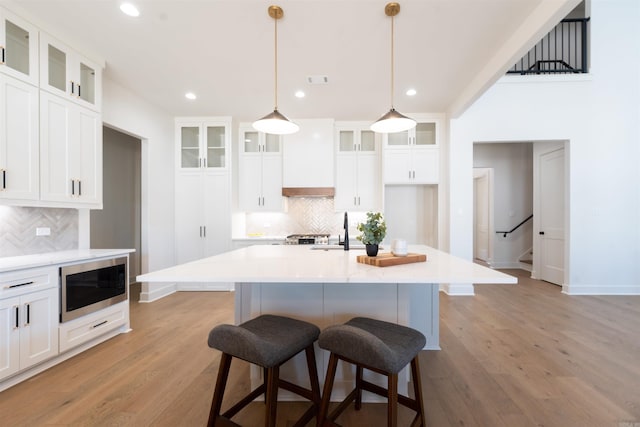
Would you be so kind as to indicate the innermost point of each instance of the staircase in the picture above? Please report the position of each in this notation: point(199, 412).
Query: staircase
point(526, 261)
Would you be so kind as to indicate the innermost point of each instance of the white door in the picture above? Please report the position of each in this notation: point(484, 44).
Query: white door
point(482, 234)
point(189, 221)
point(551, 221)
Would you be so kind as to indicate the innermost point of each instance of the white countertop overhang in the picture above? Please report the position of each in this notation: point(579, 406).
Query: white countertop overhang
point(58, 258)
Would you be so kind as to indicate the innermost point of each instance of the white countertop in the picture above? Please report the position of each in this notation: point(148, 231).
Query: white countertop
point(57, 258)
point(301, 264)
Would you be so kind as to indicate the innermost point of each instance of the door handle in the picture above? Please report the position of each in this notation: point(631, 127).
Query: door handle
point(28, 307)
point(4, 179)
point(17, 324)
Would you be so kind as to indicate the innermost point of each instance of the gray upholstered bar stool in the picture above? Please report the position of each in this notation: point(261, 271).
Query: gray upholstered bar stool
point(267, 341)
point(382, 347)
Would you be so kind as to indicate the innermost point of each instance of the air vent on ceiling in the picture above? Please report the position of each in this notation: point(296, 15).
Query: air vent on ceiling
point(318, 80)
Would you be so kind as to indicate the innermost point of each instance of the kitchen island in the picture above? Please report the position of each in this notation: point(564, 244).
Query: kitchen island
point(326, 285)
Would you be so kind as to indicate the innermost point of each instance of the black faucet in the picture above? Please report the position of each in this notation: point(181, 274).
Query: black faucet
point(346, 232)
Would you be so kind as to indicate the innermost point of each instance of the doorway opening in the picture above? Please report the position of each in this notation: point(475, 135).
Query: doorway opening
point(118, 224)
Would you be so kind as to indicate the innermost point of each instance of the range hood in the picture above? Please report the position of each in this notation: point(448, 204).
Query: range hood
point(308, 191)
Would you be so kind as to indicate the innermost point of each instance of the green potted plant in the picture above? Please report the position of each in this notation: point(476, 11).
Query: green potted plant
point(373, 232)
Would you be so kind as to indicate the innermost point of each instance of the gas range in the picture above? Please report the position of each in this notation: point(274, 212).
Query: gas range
point(307, 239)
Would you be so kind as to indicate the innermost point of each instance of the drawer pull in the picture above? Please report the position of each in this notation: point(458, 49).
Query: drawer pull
point(99, 324)
point(18, 285)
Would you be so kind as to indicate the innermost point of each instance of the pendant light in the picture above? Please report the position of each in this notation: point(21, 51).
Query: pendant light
point(392, 121)
point(275, 122)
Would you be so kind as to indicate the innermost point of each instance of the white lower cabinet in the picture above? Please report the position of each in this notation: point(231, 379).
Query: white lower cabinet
point(28, 320)
point(18, 140)
point(70, 153)
point(86, 328)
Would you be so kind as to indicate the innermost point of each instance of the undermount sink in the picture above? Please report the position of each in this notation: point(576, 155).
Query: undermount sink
point(335, 247)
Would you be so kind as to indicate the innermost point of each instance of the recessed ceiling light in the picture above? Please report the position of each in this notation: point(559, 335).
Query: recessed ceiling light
point(411, 92)
point(129, 9)
point(300, 94)
point(190, 95)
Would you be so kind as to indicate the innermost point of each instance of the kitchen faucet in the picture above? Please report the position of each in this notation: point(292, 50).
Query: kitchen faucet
point(346, 232)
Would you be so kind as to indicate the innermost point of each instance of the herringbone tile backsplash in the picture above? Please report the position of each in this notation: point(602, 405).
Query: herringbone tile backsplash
point(18, 230)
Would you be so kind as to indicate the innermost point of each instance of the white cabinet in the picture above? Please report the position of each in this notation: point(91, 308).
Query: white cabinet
point(260, 171)
point(413, 156)
point(203, 145)
point(358, 180)
point(18, 140)
point(203, 192)
point(18, 48)
point(70, 153)
point(91, 326)
point(65, 72)
point(307, 155)
point(28, 319)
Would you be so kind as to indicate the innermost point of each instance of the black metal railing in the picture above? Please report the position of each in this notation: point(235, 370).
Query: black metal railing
point(564, 50)
point(504, 233)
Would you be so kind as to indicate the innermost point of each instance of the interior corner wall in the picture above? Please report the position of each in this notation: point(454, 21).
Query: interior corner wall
point(598, 115)
point(125, 111)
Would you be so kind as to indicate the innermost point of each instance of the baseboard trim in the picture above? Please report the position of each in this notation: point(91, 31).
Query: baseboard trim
point(600, 290)
point(151, 292)
point(459, 289)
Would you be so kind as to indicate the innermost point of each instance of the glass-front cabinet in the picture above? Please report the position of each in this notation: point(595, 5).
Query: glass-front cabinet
point(203, 145)
point(413, 156)
point(260, 171)
point(64, 72)
point(18, 48)
point(358, 181)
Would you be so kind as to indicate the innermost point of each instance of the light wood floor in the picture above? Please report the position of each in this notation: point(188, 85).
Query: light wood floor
point(521, 355)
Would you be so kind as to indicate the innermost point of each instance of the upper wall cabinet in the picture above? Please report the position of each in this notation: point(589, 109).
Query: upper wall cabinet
point(203, 145)
point(70, 153)
point(18, 140)
point(260, 171)
point(18, 48)
point(66, 73)
point(413, 156)
point(358, 180)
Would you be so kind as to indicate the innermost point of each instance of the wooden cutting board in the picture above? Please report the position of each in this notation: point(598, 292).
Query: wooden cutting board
point(385, 260)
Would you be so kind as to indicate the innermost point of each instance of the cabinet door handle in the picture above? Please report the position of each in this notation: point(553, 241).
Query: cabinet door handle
point(4, 179)
point(73, 87)
point(204, 231)
point(200, 231)
point(73, 187)
point(79, 187)
point(16, 325)
point(2, 61)
point(79, 91)
point(28, 308)
point(358, 200)
point(204, 162)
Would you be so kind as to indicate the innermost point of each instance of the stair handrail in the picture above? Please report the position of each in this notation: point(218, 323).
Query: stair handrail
point(504, 233)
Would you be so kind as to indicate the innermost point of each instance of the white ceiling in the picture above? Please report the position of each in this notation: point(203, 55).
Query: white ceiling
point(448, 50)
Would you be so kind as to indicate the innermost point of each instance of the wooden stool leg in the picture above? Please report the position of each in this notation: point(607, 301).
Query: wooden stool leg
point(271, 396)
point(326, 392)
point(417, 390)
point(358, 387)
point(221, 383)
point(392, 396)
point(313, 375)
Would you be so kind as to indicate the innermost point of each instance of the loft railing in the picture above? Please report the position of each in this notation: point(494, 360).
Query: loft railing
point(564, 50)
point(504, 233)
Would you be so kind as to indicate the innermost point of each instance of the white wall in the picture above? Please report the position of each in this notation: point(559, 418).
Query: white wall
point(599, 115)
point(125, 111)
point(513, 197)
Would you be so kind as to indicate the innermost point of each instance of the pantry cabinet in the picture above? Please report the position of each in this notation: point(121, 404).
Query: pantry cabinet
point(18, 48)
point(67, 73)
point(18, 140)
point(260, 171)
point(413, 156)
point(358, 180)
point(28, 319)
point(203, 192)
point(70, 153)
